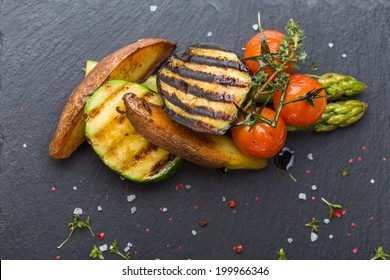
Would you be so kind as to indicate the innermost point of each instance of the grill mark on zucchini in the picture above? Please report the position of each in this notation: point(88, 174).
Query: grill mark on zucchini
point(159, 166)
point(106, 102)
point(185, 72)
point(211, 61)
point(196, 110)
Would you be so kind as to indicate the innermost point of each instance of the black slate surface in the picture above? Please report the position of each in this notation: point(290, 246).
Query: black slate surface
point(43, 48)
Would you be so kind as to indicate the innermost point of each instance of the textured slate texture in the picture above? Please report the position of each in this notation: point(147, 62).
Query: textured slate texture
point(43, 48)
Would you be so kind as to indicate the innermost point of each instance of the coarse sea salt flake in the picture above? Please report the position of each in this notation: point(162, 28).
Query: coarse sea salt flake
point(302, 196)
point(188, 187)
point(127, 248)
point(129, 244)
point(223, 199)
point(255, 26)
point(122, 178)
point(133, 209)
point(209, 34)
point(289, 240)
point(165, 209)
point(103, 248)
point(153, 8)
point(99, 208)
point(78, 211)
point(314, 187)
point(310, 156)
point(74, 188)
point(344, 55)
point(326, 221)
point(131, 197)
point(330, 45)
point(24, 145)
point(330, 236)
point(313, 237)
point(194, 232)
point(372, 181)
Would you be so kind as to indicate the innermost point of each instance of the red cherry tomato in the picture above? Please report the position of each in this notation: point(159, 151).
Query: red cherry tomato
point(301, 113)
point(262, 141)
point(253, 48)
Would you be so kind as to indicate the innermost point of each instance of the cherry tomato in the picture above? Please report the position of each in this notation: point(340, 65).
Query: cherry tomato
point(253, 48)
point(301, 113)
point(262, 141)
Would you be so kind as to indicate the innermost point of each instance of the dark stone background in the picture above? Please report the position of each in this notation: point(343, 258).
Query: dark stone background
point(43, 48)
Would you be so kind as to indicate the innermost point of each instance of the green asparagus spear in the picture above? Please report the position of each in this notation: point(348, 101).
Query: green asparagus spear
point(337, 114)
point(338, 85)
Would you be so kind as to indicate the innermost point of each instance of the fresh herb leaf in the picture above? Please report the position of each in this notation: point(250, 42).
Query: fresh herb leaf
point(345, 172)
point(313, 66)
point(77, 223)
point(380, 254)
point(331, 207)
point(114, 250)
point(314, 225)
point(96, 253)
point(281, 254)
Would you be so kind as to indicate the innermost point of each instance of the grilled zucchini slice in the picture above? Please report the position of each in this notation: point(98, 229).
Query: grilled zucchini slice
point(116, 141)
point(200, 86)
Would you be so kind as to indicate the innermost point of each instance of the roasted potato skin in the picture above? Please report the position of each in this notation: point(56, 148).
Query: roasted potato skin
point(132, 62)
point(215, 151)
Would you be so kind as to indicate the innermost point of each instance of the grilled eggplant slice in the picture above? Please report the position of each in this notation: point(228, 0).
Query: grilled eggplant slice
point(200, 86)
point(216, 151)
point(115, 140)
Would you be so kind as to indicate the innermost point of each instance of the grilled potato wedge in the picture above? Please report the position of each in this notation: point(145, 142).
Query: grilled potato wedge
point(216, 151)
point(200, 86)
point(134, 62)
point(115, 140)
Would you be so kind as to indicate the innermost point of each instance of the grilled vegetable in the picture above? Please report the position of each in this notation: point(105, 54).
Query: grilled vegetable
point(216, 151)
point(115, 140)
point(134, 62)
point(150, 82)
point(89, 65)
point(337, 114)
point(338, 85)
point(200, 86)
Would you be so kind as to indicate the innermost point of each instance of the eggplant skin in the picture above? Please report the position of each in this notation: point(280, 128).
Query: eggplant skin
point(214, 151)
point(201, 86)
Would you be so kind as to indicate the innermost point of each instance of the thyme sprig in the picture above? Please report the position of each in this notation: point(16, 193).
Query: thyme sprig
point(75, 224)
point(289, 55)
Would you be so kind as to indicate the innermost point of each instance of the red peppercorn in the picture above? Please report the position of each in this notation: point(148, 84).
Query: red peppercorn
point(354, 250)
point(308, 172)
point(53, 189)
point(58, 257)
point(238, 249)
point(353, 225)
point(101, 235)
point(232, 203)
